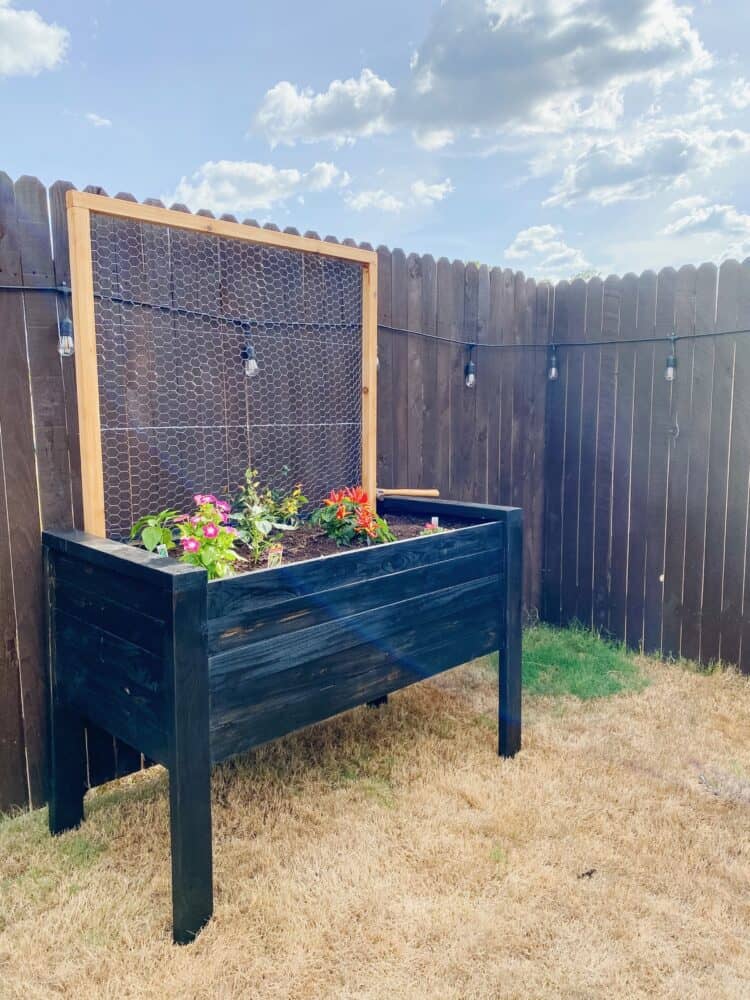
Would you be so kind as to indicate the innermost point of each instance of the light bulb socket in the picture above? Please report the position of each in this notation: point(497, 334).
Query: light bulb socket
point(553, 372)
point(65, 345)
point(470, 371)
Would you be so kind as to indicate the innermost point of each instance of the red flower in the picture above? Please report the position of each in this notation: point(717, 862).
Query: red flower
point(341, 512)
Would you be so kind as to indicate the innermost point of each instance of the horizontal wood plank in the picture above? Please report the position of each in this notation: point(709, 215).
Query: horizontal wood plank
point(227, 598)
point(255, 624)
point(95, 610)
point(246, 665)
point(399, 646)
point(155, 215)
point(112, 683)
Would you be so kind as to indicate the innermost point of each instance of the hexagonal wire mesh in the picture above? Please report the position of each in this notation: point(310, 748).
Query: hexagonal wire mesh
point(174, 312)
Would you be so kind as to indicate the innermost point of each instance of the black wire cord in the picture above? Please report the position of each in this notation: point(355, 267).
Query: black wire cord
point(669, 337)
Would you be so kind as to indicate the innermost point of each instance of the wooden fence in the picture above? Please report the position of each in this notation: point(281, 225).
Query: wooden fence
point(646, 528)
point(635, 492)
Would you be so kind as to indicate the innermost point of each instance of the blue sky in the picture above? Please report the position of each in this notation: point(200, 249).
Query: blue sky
point(553, 136)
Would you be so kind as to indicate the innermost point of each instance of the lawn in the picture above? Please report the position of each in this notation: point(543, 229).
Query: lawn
point(390, 854)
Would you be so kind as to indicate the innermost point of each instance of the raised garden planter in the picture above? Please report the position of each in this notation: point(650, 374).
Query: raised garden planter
point(191, 673)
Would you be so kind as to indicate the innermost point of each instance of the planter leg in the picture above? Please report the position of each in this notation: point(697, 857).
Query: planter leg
point(190, 762)
point(509, 673)
point(190, 827)
point(67, 769)
point(377, 702)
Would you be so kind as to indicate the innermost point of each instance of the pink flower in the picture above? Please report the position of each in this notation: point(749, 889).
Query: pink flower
point(210, 530)
point(229, 530)
point(195, 519)
point(222, 506)
point(201, 498)
point(190, 544)
point(180, 517)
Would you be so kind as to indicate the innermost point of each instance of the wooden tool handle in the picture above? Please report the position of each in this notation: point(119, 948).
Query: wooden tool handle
point(408, 493)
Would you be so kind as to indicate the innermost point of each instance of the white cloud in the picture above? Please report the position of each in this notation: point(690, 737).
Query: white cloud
point(346, 110)
point(29, 44)
point(97, 120)
point(543, 250)
point(238, 186)
point(426, 194)
point(432, 139)
point(723, 221)
point(492, 64)
point(379, 199)
point(739, 94)
point(643, 162)
point(420, 195)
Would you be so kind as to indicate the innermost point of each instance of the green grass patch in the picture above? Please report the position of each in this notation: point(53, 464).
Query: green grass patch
point(575, 661)
point(80, 851)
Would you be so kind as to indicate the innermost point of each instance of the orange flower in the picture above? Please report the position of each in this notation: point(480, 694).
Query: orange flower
point(365, 522)
point(335, 496)
point(357, 494)
point(341, 512)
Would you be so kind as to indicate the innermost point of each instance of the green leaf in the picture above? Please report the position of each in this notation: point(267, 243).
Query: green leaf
point(151, 537)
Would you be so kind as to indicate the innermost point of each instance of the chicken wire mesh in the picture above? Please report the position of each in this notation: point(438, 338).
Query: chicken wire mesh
point(175, 313)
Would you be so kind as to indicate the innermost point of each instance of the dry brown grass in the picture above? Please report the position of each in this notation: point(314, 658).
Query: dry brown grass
point(392, 854)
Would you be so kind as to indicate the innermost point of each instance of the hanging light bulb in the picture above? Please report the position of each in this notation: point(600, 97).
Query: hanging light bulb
point(65, 345)
point(670, 369)
point(249, 363)
point(470, 371)
point(553, 372)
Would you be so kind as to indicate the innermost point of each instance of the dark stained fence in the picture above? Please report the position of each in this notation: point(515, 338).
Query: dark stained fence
point(647, 482)
point(484, 445)
point(635, 492)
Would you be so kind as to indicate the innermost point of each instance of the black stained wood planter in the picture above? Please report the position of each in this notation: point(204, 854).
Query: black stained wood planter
point(191, 673)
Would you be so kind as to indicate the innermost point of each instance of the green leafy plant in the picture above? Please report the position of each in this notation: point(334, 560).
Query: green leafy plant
point(347, 516)
point(206, 538)
point(259, 511)
point(154, 530)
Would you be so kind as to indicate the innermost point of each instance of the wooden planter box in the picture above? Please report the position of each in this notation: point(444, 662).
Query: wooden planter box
point(191, 673)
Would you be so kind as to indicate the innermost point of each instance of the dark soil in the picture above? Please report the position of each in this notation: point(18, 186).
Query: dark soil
point(308, 542)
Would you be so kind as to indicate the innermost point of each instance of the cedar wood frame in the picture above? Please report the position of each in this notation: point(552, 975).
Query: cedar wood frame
point(80, 205)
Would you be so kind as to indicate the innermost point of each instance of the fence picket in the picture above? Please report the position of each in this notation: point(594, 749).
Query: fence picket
point(16, 446)
point(700, 436)
point(385, 371)
point(735, 649)
point(680, 392)
point(656, 503)
point(400, 399)
point(718, 459)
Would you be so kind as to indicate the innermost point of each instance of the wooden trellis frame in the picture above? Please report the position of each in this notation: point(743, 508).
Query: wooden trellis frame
point(80, 205)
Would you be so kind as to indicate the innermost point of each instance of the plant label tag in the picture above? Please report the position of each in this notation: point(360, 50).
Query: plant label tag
point(435, 521)
point(275, 555)
point(161, 549)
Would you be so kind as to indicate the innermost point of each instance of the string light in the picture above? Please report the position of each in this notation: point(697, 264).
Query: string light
point(65, 345)
point(250, 363)
point(670, 369)
point(553, 372)
point(470, 372)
